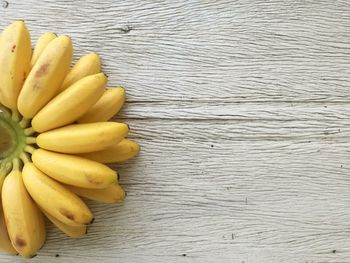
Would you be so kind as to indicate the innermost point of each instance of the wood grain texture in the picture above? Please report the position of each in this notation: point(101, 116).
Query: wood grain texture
point(241, 108)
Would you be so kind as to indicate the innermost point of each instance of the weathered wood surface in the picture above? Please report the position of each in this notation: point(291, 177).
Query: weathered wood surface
point(242, 111)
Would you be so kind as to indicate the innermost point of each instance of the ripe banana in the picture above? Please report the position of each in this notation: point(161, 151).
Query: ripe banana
point(46, 76)
point(2, 179)
point(41, 44)
point(119, 152)
point(15, 55)
point(71, 104)
point(112, 194)
point(71, 231)
point(56, 125)
point(5, 242)
point(23, 219)
point(87, 65)
point(106, 107)
point(54, 198)
point(80, 138)
point(74, 170)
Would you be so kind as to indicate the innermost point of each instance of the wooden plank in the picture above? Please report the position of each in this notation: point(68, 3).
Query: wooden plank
point(180, 50)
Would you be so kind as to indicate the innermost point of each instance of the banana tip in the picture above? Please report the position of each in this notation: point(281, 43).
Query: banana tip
point(32, 256)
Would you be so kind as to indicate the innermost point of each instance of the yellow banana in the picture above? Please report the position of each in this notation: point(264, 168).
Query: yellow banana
point(71, 104)
point(119, 152)
point(106, 107)
point(24, 220)
point(71, 231)
point(15, 55)
point(74, 170)
point(5, 242)
point(41, 44)
point(87, 65)
point(46, 76)
point(112, 194)
point(54, 198)
point(2, 179)
point(80, 138)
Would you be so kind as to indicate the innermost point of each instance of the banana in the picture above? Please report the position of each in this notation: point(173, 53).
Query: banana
point(54, 198)
point(119, 152)
point(71, 231)
point(71, 104)
point(2, 179)
point(15, 55)
point(5, 169)
point(23, 219)
point(46, 76)
point(80, 138)
point(112, 194)
point(87, 65)
point(41, 44)
point(106, 107)
point(74, 170)
point(5, 242)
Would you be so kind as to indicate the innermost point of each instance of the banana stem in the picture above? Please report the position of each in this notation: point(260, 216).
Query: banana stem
point(5, 168)
point(15, 164)
point(29, 149)
point(15, 115)
point(31, 140)
point(29, 131)
point(6, 138)
point(24, 123)
point(24, 157)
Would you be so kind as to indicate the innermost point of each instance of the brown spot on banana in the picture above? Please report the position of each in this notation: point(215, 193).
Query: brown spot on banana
point(42, 70)
point(19, 242)
point(93, 180)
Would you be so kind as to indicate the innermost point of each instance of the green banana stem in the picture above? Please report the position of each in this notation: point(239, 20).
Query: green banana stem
point(5, 168)
point(24, 157)
point(16, 116)
point(24, 123)
point(29, 131)
point(15, 164)
point(31, 140)
point(29, 149)
point(7, 138)
point(13, 139)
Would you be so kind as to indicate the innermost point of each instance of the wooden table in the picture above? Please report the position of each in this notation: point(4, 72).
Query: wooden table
point(242, 111)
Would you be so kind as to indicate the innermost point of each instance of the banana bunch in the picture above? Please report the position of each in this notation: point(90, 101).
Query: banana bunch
point(55, 139)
